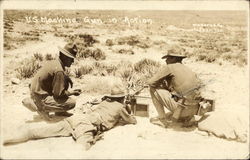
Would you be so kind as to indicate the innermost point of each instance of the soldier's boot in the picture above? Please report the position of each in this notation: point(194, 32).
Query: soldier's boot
point(65, 114)
point(45, 115)
point(163, 122)
point(29, 104)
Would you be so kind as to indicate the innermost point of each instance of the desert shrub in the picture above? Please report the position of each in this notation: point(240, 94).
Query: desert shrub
point(38, 56)
point(104, 69)
point(134, 41)
point(209, 46)
point(182, 40)
point(227, 56)
point(100, 84)
point(145, 64)
point(242, 61)
point(82, 40)
point(83, 70)
point(201, 57)
point(8, 46)
point(125, 69)
point(28, 68)
point(142, 45)
point(88, 39)
point(176, 49)
point(110, 68)
point(126, 51)
point(211, 58)
point(146, 68)
point(225, 49)
point(84, 53)
point(131, 40)
point(109, 42)
point(49, 57)
point(159, 42)
point(97, 54)
point(61, 34)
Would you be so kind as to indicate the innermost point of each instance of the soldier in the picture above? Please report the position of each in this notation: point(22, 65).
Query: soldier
point(49, 87)
point(84, 127)
point(175, 87)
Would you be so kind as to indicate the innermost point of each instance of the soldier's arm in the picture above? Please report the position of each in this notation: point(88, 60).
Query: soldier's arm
point(58, 85)
point(127, 118)
point(159, 76)
point(59, 90)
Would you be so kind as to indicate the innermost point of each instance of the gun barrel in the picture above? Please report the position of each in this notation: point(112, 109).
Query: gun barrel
point(142, 96)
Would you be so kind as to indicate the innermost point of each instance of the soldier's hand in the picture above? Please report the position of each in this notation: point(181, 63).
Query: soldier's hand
point(70, 82)
point(77, 92)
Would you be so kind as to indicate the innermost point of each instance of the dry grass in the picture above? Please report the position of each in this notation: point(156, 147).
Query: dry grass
point(137, 73)
point(83, 70)
point(49, 57)
point(38, 56)
point(94, 53)
point(27, 68)
point(126, 51)
point(100, 84)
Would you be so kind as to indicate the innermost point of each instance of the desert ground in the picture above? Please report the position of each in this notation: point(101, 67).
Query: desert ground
point(111, 53)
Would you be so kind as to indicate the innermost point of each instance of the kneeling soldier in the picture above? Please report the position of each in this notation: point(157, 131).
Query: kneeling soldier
point(49, 86)
point(175, 87)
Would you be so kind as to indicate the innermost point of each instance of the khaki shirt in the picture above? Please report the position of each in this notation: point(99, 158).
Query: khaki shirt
point(106, 113)
point(183, 78)
point(49, 80)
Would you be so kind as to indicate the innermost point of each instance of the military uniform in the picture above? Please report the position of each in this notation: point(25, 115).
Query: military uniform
point(48, 88)
point(83, 127)
point(174, 79)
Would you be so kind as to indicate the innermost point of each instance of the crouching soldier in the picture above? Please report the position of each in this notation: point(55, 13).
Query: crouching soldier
point(49, 87)
point(175, 87)
point(85, 128)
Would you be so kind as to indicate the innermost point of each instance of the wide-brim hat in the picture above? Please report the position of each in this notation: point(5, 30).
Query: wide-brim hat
point(117, 92)
point(174, 55)
point(69, 50)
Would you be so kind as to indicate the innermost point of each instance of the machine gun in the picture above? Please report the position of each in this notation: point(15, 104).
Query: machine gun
point(132, 105)
point(130, 101)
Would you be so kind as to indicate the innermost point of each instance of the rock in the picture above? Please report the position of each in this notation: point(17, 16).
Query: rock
point(15, 81)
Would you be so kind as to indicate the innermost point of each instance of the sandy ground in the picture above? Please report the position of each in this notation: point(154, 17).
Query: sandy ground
point(227, 84)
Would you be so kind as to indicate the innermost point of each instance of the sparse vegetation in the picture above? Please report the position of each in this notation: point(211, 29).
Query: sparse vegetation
point(83, 70)
point(27, 68)
point(203, 46)
point(126, 51)
point(109, 42)
point(95, 53)
point(134, 41)
point(49, 57)
point(38, 56)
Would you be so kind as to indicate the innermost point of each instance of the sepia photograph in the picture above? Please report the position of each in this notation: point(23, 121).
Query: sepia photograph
point(124, 79)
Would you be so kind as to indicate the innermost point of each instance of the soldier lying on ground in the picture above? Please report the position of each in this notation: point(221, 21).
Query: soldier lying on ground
point(84, 128)
point(176, 87)
point(49, 87)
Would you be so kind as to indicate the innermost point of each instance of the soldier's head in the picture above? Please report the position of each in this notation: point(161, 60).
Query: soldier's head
point(68, 54)
point(117, 93)
point(173, 58)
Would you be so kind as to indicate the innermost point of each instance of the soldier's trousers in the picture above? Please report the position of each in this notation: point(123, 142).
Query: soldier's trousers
point(162, 98)
point(49, 104)
point(81, 127)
